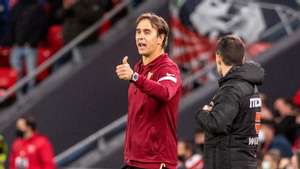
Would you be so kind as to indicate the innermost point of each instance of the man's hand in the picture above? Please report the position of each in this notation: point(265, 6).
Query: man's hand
point(207, 108)
point(124, 70)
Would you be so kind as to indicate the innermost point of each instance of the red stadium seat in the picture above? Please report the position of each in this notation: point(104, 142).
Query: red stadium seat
point(55, 38)
point(43, 53)
point(4, 56)
point(104, 27)
point(296, 100)
point(8, 77)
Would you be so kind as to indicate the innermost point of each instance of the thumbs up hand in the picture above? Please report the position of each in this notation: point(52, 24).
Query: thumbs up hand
point(124, 70)
point(125, 60)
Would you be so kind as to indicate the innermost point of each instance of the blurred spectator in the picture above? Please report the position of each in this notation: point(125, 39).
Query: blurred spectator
point(106, 5)
point(29, 26)
point(30, 150)
point(284, 107)
point(286, 122)
point(3, 152)
point(181, 154)
point(186, 158)
point(265, 111)
point(79, 15)
point(272, 141)
point(199, 138)
point(271, 160)
point(54, 11)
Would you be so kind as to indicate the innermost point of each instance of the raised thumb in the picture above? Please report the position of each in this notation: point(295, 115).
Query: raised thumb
point(125, 60)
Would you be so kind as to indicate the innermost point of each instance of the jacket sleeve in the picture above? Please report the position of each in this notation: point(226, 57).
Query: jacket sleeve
point(165, 87)
point(225, 108)
point(46, 155)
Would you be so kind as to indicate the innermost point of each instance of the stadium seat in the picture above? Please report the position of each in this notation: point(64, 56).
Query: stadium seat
point(55, 38)
point(296, 100)
point(104, 27)
point(43, 53)
point(8, 77)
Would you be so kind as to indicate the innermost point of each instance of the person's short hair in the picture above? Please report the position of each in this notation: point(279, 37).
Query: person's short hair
point(30, 121)
point(199, 131)
point(187, 144)
point(232, 49)
point(158, 23)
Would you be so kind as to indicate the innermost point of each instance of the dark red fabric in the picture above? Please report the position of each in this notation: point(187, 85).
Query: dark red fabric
point(152, 115)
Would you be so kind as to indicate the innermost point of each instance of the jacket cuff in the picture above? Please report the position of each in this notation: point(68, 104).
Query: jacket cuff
point(139, 83)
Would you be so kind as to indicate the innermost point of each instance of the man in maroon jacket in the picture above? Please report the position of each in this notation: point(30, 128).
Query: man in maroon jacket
point(153, 98)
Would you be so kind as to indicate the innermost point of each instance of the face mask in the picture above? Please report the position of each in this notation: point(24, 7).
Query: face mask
point(20, 133)
point(266, 165)
point(200, 148)
point(181, 158)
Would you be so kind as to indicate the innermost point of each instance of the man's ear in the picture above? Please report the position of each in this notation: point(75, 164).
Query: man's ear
point(218, 59)
point(161, 38)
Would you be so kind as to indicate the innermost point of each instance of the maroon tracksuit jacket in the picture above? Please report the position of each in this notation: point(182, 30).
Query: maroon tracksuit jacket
point(152, 114)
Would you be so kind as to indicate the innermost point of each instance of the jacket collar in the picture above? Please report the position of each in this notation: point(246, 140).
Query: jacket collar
point(157, 60)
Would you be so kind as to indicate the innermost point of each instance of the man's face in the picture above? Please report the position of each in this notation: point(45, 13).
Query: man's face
point(181, 149)
point(21, 125)
point(282, 107)
point(199, 138)
point(147, 39)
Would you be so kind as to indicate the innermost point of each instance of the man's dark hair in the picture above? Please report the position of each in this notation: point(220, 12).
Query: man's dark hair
point(158, 23)
point(30, 121)
point(232, 49)
point(199, 131)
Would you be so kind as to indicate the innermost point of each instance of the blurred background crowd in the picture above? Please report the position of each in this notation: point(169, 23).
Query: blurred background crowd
point(279, 138)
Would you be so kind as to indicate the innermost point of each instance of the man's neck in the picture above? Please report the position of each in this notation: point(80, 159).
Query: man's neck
point(149, 59)
point(225, 70)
